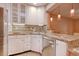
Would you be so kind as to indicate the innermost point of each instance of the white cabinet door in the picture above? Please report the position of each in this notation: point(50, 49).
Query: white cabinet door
point(20, 43)
point(61, 48)
point(11, 45)
point(27, 43)
point(15, 44)
point(45, 43)
point(36, 43)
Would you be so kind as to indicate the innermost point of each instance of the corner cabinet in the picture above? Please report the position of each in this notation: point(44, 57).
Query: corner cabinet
point(21, 43)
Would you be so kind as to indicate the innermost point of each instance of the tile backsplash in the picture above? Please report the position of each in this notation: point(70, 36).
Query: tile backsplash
point(28, 28)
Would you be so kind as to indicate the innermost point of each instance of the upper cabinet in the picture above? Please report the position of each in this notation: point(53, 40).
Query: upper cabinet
point(25, 14)
point(14, 13)
point(36, 15)
point(22, 12)
point(18, 13)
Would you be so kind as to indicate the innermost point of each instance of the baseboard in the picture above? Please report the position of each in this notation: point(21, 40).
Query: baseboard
point(25, 52)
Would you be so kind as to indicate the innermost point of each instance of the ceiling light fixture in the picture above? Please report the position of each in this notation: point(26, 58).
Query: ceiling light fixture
point(72, 11)
point(51, 19)
point(59, 15)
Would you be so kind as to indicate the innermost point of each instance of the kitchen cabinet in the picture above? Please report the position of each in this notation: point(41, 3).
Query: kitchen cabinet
point(14, 12)
point(18, 13)
point(21, 43)
point(61, 48)
point(36, 15)
point(36, 43)
point(22, 13)
point(27, 43)
point(15, 44)
point(11, 44)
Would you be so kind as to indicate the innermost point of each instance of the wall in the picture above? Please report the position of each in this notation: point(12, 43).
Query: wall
point(76, 28)
point(36, 15)
point(63, 25)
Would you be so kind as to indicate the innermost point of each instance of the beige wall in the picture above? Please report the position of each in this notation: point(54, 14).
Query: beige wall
point(63, 25)
point(76, 28)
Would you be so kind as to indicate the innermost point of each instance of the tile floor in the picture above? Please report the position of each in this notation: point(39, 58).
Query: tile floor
point(29, 54)
point(49, 51)
point(46, 52)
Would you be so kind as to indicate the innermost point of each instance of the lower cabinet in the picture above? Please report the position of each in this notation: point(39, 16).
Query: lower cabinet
point(27, 43)
point(15, 45)
point(61, 48)
point(21, 43)
point(36, 43)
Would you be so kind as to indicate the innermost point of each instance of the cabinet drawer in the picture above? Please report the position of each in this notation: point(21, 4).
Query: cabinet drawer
point(12, 37)
point(20, 37)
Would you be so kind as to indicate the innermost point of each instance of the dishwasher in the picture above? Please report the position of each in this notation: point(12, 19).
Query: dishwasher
point(48, 46)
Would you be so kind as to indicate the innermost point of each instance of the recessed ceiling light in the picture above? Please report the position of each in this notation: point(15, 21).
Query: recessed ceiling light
point(72, 12)
point(34, 3)
point(59, 16)
point(51, 19)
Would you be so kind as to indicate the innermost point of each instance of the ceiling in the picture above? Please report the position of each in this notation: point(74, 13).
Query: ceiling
point(37, 4)
point(64, 10)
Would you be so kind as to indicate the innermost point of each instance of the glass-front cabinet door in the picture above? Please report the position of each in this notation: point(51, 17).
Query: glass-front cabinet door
point(22, 13)
point(14, 12)
point(18, 13)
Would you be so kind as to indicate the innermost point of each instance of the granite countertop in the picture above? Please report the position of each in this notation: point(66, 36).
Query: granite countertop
point(62, 37)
